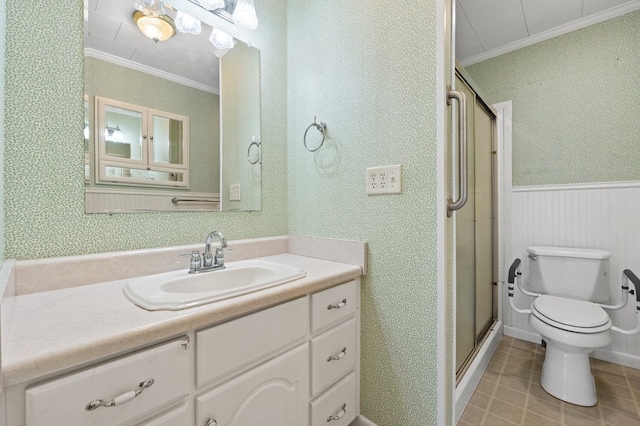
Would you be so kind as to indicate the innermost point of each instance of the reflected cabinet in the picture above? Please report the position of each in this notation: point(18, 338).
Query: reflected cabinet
point(140, 146)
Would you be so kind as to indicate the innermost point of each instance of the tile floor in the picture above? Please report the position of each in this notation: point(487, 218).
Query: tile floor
point(509, 393)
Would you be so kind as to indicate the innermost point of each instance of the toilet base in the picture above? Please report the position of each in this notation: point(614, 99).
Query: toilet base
point(566, 374)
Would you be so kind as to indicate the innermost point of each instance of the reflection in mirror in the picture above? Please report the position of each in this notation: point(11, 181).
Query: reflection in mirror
point(157, 110)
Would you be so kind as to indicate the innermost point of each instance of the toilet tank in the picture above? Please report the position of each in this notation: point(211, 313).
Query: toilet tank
point(570, 272)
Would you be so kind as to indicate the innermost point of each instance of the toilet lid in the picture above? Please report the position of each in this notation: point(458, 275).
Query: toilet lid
point(574, 313)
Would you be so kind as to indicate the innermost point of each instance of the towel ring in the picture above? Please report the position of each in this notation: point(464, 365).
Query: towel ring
point(251, 145)
point(321, 127)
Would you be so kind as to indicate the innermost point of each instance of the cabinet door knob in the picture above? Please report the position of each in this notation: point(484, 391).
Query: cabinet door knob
point(120, 399)
point(338, 305)
point(343, 411)
point(211, 422)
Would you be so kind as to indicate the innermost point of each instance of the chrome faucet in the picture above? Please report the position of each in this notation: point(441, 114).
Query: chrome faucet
point(209, 261)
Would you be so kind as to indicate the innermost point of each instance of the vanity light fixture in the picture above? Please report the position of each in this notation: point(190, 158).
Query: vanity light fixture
point(220, 39)
point(212, 4)
point(244, 15)
point(157, 28)
point(187, 23)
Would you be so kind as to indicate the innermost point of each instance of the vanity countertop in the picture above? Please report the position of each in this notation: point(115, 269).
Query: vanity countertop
point(52, 331)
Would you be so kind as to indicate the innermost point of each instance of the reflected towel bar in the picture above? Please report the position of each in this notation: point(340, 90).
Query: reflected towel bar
point(176, 200)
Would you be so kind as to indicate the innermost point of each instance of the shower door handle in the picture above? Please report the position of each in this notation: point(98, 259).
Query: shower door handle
point(462, 152)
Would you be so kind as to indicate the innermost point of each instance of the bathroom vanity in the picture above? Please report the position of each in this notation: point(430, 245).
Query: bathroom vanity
point(87, 355)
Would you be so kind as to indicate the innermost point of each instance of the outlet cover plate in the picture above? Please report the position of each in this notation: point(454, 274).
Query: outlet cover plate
point(384, 180)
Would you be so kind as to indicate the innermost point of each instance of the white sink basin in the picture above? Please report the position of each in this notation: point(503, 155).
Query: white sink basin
point(180, 290)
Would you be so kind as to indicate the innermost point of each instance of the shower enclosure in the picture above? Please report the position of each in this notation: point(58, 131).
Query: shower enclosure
point(475, 224)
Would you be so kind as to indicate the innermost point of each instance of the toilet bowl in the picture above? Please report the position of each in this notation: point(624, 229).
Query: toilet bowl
point(572, 329)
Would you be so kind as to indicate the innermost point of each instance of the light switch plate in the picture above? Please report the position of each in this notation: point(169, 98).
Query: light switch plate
point(384, 180)
point(234, 192)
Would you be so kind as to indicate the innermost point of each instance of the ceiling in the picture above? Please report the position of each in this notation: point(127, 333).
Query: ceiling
point(488, 28)
point(186, 58)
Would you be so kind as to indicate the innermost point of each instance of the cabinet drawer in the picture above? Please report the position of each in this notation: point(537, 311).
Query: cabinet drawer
point(332, 305)
point(177, 416)
point(274, 393)
point(333, 353)
point(336, 407)
point(63, 401)
point(240, 343)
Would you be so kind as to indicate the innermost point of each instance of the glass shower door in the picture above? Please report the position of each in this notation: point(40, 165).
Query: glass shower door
point(474, 233)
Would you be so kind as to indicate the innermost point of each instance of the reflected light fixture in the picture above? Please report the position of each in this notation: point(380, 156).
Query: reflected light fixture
point(220, 39)
point(153, 8)
point(187, 23)
point(157, 28)
point(212, 4)
point(244, 15)
point(113, 134)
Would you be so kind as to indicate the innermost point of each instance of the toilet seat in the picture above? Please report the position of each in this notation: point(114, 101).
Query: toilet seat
point(571, 315)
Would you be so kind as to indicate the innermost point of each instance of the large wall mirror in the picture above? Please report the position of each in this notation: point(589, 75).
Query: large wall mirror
point(170, 125)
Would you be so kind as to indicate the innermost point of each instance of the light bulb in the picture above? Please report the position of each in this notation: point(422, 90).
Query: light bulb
point(244, 15)
point(220, 39)
point(187, 24)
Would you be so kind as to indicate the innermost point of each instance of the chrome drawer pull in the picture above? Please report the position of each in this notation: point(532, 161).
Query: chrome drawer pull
point(211, 422)
point(341, 355)
point(338, 306)
point(343, 411)
point(120, 399)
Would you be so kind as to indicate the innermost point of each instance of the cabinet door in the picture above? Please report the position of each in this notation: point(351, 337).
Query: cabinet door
point(168, 140)
point(275, 393)
point(121, 132)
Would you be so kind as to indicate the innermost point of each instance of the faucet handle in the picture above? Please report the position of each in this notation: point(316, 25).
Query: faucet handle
point(195, 262)
point(219, 260)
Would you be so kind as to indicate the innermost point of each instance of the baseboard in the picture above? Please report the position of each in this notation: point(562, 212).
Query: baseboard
point(472, 377)
point(518, 333)
point(620, 358)
point(362, 421)
point(602, 354)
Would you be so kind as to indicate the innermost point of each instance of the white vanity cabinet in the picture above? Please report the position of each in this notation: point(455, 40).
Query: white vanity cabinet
point(292, 364)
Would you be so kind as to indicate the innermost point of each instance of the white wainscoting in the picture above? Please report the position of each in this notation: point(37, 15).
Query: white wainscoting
point(605, 216)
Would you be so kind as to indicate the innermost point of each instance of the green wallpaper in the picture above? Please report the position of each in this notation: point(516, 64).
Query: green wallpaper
point(44, 183)
point(127, 85)
point(576, 102)
point(369, 71)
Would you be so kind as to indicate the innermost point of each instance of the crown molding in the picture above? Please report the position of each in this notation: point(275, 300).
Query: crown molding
point(93, 53)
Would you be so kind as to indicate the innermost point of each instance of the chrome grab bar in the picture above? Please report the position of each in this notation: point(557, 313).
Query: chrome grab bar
point(462, 152)
point(176, 200)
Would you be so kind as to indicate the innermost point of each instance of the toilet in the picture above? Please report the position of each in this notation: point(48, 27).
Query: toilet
point(569, 283)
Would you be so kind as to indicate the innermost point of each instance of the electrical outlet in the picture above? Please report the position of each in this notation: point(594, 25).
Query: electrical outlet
point(384, 180)
point(234, 192)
